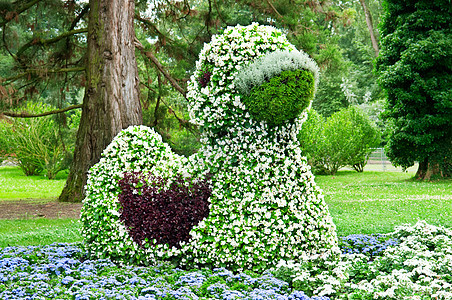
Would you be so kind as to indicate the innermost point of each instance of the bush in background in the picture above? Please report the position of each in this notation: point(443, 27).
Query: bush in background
point(361, 134)
point(4, 144)
point(41, 144)
point(344, 139)
point(311, 140)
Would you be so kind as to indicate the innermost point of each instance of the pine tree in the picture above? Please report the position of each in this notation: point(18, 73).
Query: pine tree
point(54, 49)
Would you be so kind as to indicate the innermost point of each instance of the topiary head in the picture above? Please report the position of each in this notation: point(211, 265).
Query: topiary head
point(282, 97)
point(250, 77)
point(278, 86)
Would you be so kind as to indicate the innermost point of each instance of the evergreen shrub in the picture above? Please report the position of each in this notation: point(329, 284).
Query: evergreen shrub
point(415, 71)
point(157, 212)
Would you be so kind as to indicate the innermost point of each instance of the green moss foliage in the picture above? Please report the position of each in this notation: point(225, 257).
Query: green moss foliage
point(281, 98)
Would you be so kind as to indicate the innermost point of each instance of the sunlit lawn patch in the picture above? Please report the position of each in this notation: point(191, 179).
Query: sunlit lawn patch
point(375, 202)
point(15, 185)
point(38, 232)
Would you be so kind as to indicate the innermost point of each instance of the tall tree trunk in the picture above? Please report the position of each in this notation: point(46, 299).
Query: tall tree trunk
point(422, 169)
point(370, 26)
point(427, 169)
point(111, 102)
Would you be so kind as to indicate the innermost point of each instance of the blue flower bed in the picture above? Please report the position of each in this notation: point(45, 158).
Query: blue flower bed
point(62, 271)
point(371, 267)
point(369, 245)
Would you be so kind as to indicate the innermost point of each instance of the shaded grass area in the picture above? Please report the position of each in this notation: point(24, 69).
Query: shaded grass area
point(38, 232)
point(376, 202)
point(15, 185)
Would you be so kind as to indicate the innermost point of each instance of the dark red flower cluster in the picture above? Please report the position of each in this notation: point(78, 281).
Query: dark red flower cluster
point(204, 79)
point(152, 211)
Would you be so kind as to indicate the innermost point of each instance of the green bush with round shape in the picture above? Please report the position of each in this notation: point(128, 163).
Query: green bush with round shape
point(283, 97)
point(344, 139)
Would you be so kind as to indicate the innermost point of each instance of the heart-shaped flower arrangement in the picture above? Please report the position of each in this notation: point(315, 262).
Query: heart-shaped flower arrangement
point(154, 209)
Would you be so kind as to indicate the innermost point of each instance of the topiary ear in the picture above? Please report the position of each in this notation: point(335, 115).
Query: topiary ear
point(282, 97)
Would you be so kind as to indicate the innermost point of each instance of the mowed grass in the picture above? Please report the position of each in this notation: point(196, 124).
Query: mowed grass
point(376, 202)
point(369, 202)
point(38, 232)
point(15, 185)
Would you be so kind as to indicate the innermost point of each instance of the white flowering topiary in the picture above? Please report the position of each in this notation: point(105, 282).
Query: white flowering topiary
point(265, 206)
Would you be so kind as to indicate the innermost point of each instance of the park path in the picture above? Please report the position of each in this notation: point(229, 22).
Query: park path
point(29, 209)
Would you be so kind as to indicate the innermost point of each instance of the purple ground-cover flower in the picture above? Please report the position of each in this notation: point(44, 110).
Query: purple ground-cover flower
point(62, 271)
point(370, 245)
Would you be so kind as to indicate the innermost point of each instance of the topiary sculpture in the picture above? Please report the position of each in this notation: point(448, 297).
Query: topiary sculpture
point(249, 95)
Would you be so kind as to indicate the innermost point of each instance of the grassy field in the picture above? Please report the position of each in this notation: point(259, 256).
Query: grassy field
point(15, 185)
point(38, 232)
point(369, 202)
point(376, 202)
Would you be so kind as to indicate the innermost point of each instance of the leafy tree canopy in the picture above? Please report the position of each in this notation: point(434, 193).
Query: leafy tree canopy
point(415, 71)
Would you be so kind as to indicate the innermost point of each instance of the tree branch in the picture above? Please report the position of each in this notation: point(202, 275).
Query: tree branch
point(12, 14)
point(159, 66)
point(370, 26)
point(6, 44)
point(208, 17)
point(275, 10)
point(150, 24)
point(49, 41)
point(184, 123)
point(41, 71)
point(52, 112)
point(79, 17)
point(218, 11)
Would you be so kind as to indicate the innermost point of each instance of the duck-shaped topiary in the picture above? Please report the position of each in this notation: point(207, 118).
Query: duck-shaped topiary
point(249, 95)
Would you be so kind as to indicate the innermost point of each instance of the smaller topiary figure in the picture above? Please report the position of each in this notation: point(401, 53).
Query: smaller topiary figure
point(135, 149)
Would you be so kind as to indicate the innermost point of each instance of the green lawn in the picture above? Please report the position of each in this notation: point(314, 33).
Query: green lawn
point(38, 232)
point(15, 185)
point(375, 202)
point(369, 202)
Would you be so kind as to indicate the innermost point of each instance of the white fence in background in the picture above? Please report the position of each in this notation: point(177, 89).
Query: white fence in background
point(379, 162)
point(378, 159)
